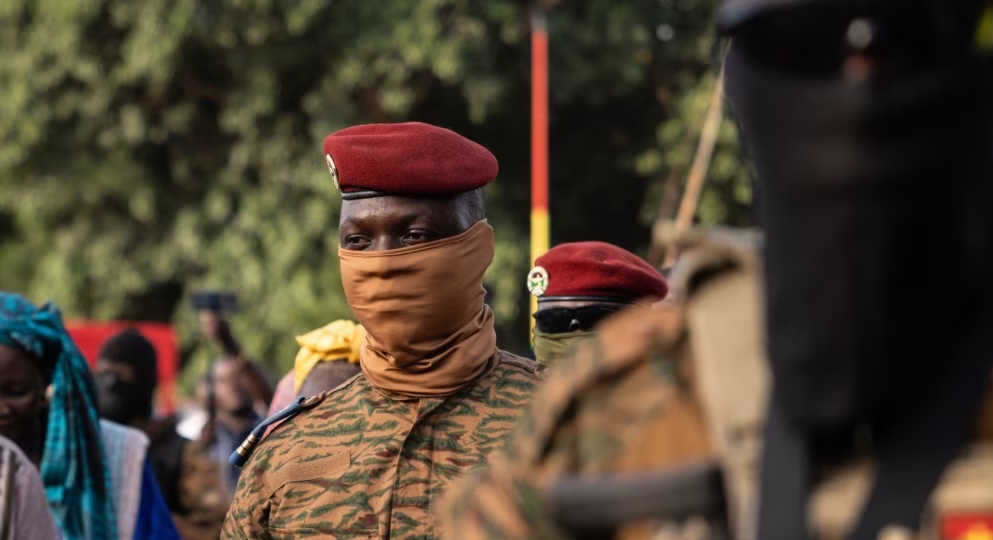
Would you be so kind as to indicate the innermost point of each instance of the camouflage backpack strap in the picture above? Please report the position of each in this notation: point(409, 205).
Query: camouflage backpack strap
point(623, 342)
point(720, 278)
point(241, 455)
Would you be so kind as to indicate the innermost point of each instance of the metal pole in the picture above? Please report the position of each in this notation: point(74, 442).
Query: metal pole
point(701, 164)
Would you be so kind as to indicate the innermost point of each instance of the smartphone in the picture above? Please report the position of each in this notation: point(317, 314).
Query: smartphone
point(217, 301)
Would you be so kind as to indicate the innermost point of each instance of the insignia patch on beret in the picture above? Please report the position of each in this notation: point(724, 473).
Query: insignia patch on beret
point(332, 169)
point(537, 281)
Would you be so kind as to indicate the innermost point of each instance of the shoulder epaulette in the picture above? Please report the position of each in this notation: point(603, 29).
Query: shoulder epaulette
point(526, 364)
point(240, 456)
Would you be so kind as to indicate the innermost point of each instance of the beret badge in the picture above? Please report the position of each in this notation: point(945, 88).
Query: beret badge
point(333, 169)
point(537, 281)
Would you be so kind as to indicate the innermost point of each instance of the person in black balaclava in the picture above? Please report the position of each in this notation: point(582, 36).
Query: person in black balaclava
point(870, 124)
point(192, 483)
point(126, 374)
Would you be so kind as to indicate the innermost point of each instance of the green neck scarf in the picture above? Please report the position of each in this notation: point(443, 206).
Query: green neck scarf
point(549, 348)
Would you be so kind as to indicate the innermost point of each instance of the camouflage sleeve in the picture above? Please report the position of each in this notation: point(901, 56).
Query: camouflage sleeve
point(248, 517)
point(505, 500)
point(578, 421)
point(502, 502)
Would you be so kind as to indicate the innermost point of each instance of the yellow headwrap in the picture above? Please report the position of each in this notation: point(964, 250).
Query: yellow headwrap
point(340, 340)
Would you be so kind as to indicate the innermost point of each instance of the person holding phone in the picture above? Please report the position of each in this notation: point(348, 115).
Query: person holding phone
point(212, 308)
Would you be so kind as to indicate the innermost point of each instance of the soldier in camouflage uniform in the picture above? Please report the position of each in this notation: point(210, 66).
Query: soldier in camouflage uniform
point(371, 458)
point(578, 284)
point(859, 410)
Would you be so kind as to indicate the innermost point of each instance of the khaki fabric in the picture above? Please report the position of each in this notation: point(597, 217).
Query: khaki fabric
point(428, 332)
point(726, 316)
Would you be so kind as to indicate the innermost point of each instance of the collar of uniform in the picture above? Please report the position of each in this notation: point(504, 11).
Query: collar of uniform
point(394, 396)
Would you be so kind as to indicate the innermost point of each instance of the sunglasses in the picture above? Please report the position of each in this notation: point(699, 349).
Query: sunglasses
point(562, 320)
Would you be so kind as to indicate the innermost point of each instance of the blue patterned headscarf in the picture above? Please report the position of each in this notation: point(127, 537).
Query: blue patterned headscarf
point(73, 468)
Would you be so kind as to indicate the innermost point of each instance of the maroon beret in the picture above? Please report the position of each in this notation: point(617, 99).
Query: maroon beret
point(594, 270)
point(406, 159)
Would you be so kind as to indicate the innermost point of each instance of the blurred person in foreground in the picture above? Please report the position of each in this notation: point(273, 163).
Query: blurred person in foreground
point(328, 357)
point(436, 395)
point(23, 506)
point(578, 285)
point(127, 377)
point(98, 481)
point(856, 410)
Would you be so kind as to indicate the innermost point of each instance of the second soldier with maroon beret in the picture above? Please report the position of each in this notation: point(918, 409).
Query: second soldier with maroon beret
point(578, 285)
point(436, 396)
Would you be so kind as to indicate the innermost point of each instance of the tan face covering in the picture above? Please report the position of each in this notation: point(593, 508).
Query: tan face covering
point(429, 332)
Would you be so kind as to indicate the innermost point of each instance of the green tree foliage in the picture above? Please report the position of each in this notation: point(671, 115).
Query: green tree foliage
point(151, 148)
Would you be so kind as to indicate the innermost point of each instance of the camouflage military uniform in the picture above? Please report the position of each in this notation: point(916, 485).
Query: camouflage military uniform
point(628, 403)
point(601, 415)
point(361, 464)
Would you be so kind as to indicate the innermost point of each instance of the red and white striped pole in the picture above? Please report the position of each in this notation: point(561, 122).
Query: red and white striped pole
point(539, 141)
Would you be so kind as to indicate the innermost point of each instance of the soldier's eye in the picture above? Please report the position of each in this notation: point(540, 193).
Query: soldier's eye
point(415, 237)
point(356, 242)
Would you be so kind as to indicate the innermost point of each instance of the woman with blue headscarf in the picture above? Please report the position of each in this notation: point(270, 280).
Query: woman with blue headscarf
point(48, 406)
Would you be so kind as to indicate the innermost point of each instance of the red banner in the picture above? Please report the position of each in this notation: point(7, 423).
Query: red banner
point(90, 337)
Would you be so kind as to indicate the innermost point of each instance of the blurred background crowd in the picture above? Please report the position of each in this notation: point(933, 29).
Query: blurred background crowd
point(153, 149)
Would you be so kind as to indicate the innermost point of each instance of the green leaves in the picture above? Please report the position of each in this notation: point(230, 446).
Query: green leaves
point(175, 144)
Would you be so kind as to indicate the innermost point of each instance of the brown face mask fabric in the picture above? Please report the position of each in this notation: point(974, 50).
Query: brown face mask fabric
point(429, 333)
